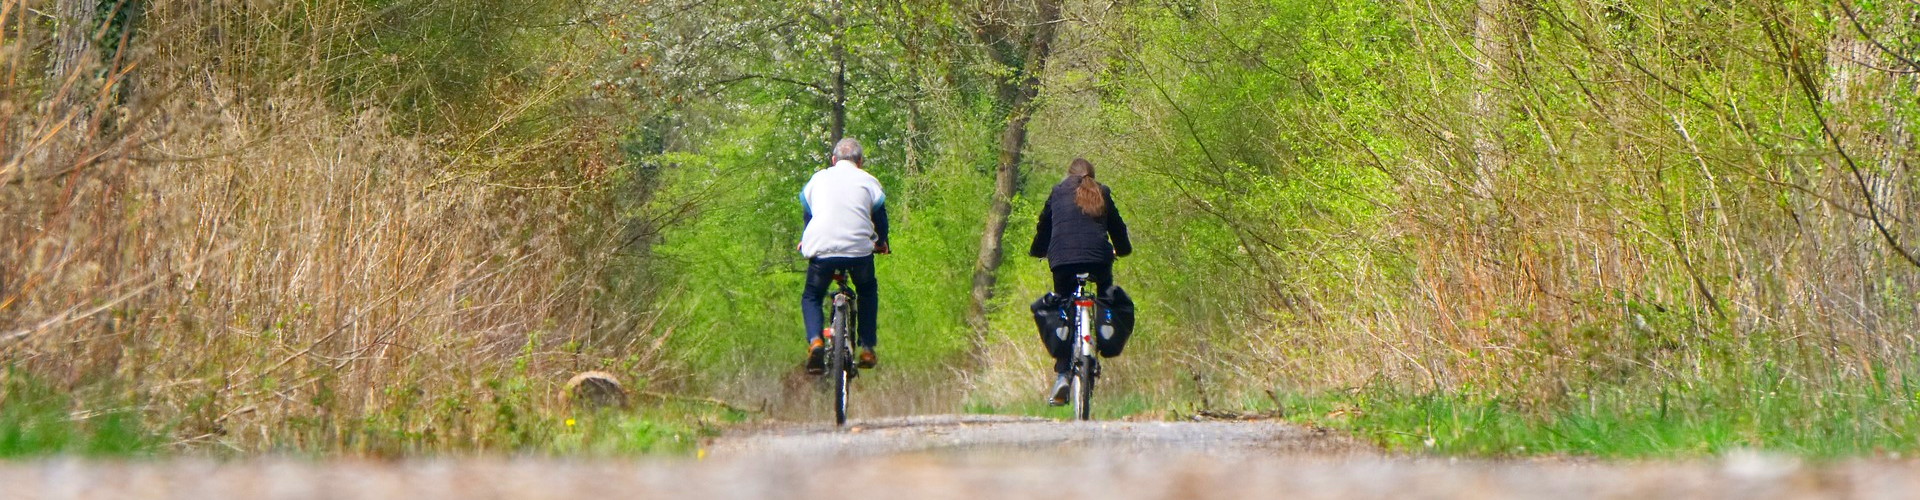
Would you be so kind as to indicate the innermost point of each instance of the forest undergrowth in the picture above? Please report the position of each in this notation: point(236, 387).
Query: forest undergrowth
point(1490, 227)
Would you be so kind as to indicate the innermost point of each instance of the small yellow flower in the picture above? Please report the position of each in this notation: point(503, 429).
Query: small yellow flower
point(569, 423)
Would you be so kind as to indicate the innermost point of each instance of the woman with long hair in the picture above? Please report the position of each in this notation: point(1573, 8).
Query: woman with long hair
point(1079, 231)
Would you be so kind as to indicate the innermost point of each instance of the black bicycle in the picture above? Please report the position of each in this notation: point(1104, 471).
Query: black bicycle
point(840, 363)
point(1086, 359)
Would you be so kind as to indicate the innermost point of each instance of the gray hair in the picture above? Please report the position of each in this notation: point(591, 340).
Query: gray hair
point(848, 149)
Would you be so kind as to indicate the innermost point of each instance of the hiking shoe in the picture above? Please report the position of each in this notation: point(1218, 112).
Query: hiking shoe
point(817, 357)
point(866, 359)
point(1058, 396)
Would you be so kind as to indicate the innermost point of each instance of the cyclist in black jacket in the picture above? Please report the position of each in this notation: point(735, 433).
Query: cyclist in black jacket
point(1080, 231)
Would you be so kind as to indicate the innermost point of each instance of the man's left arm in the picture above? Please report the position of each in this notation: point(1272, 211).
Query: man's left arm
point(880, 222)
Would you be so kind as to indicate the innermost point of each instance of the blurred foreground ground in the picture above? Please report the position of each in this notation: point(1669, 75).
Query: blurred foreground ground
point(976, 457)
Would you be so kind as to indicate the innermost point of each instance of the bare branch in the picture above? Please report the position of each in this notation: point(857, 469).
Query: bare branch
point(815, 87)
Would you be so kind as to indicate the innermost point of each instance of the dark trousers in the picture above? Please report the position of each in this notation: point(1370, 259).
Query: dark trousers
point(1101, 274)
point(866, 293)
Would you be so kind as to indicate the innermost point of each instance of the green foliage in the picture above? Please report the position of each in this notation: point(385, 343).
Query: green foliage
point(738, 276)
point(440, 65)
point(747, 145)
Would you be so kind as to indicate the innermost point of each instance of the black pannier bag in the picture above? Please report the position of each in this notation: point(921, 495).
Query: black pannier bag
point(1049, 315)
point(1116, 321)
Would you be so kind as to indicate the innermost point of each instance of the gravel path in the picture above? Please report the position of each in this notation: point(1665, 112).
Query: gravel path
point(977, 457)
point(963, 436)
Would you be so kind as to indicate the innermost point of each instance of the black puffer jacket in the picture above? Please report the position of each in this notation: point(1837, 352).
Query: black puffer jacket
point(1065, 235)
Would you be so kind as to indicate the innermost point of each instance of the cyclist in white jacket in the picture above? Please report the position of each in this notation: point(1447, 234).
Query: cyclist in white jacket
point(846, 223)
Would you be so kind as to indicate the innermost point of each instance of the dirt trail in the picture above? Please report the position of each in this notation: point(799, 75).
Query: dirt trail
point(977, 457)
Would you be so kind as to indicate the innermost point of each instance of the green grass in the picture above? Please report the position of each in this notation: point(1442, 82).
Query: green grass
point(1852, 418)
point(39, 419)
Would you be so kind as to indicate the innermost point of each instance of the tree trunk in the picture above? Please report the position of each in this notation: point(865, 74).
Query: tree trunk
point(839, 124)
point(1490, 45)
point(73, 65)
point(1019, 99)
point(915, 138)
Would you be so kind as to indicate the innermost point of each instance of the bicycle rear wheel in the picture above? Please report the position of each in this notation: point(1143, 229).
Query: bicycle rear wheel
point(840, 366)
point(1081, 380)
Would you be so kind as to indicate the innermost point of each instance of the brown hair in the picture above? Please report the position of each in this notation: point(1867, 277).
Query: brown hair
point(1087, 195)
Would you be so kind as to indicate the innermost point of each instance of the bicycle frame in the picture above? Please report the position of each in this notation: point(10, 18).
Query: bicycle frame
point(842, 296)
point(842, 306)
point(1084, 325)
point(1086, 362)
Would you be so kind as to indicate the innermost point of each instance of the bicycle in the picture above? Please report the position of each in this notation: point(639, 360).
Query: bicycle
point(840, 363)
point(1086, 361)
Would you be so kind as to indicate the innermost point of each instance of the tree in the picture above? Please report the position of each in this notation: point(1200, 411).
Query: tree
point(1488, 159)
point(87, 48)
point(1019, 37)
point(1498, 27)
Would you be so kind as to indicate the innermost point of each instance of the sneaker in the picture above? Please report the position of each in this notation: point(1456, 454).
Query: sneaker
point(817, 357)
point(866, 359)
point(1058, 397)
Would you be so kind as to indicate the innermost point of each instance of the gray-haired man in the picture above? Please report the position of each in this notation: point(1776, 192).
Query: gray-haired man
point(846, 223)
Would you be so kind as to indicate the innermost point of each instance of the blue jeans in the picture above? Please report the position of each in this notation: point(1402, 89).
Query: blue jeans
point(866, 293)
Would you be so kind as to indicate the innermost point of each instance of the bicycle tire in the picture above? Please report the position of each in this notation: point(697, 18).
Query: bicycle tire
point(841, 366)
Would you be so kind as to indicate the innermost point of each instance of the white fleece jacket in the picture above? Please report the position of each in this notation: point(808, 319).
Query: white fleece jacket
point(841, 202)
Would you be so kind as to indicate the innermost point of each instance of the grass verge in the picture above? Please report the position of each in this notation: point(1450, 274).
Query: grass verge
point(39, 419)
point(670, 429)
point(1839, 419)
point(104, 421)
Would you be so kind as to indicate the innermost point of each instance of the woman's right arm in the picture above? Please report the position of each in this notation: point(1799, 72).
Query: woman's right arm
point(1042, 232)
